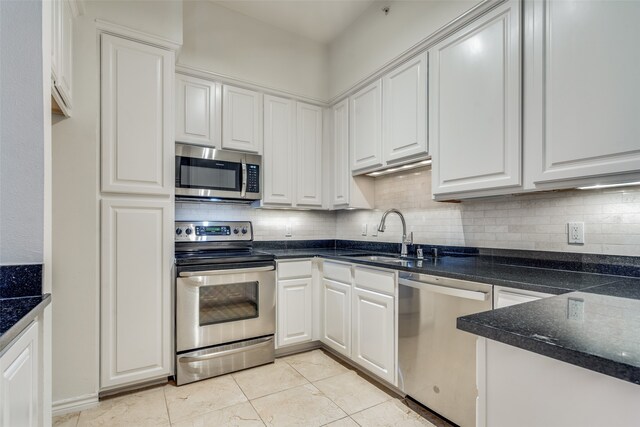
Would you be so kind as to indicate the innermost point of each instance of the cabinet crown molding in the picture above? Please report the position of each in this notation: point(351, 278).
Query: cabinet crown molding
point(136, 35)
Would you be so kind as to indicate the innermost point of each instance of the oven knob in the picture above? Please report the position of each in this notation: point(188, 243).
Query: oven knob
point(244, 230)
point(178, 231)
point(236, 231)
point(188, 231)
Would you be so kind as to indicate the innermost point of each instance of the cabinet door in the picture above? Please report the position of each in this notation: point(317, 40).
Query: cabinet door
point(404, 111)
point(340, 154)
point(507, 297)
point(198, 114)
point(241, 119)
point(336, 316)
point(136, 281)
point(583, 91)
point(309, 155)
point(365, 128)
point(295, 311)
point(474, 104)
point(137, 117)
point(374, 333)
point(65, 64)
point(19, 385)
point(279, 158)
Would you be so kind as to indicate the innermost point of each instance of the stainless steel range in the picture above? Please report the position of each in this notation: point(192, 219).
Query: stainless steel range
point(225, 300)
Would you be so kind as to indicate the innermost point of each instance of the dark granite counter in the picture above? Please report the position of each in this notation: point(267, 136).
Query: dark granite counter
point(464, 266)
point(21, 299)
point(597, 329)
point(17, 313)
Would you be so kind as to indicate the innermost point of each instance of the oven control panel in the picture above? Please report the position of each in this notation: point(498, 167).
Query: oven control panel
point(213, 231)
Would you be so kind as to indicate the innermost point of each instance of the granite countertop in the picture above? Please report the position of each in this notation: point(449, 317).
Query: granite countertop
point(465, 267)
point(17, 313)
point(604, 337)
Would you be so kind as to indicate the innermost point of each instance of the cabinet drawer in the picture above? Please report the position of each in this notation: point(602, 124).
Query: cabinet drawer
point(508, 297)
point(375, 280)
point(337, 271)
point(293, 269)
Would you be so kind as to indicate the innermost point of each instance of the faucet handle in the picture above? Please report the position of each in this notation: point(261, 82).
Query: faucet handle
point(409, 239)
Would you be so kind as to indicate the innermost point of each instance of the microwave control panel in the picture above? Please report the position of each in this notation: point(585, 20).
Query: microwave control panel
point(253, 178)
point(213, 231)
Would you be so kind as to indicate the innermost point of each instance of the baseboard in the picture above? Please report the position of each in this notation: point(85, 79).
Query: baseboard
point(74, 404)
point(298, 348)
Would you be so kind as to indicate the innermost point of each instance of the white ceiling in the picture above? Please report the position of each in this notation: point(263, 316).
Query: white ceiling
point(319, 20)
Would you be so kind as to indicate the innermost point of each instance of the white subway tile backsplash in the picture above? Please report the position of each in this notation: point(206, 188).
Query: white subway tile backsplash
point(533, 221)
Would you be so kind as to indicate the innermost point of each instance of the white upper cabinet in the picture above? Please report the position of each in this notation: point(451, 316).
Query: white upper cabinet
point(62, 14)
point(582, 90)
point(198, 111)
point(365, 128)
point(347, 191)
point(136, 117)
point(309, 155)
point(279, 158)
point(241, 119)
point(475, 105)
point(341, 172)
point(404, 111)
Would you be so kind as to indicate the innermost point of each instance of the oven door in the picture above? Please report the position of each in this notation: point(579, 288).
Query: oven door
point(217, 306)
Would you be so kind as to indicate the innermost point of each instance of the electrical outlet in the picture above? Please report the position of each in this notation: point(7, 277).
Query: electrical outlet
point(575, 309)
point(287, 230)
point(576, 233)
point(364, 229)
point(374, 230)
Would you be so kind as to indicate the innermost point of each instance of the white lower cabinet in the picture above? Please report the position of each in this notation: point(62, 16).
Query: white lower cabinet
point(336, 315)
point(505, 297)
point(136, 280)
point(294, 306)
point(295, 311)
point(374, 333)
point(20, 382)
point(358, 319)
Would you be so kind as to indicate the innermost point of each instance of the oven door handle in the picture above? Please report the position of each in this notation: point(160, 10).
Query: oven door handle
point(228, 271)
point(191, 359)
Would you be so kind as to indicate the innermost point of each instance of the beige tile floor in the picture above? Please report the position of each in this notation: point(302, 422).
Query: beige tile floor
point(307, 389)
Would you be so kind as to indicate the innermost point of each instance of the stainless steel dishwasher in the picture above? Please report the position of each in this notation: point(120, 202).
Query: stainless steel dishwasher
point(437, 362)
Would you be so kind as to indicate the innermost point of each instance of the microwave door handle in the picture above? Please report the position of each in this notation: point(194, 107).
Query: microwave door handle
point(243, 191)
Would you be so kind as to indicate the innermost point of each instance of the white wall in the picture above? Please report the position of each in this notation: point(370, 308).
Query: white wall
point(76, 169)
point(535, 221)
point(21, 133)
point(226, 42)
point(374, 38)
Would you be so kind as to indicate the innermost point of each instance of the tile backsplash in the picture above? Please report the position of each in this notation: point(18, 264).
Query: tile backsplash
point(534, 221)
point(268, 224)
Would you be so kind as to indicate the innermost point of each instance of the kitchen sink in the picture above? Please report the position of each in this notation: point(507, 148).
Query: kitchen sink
point(381, 258)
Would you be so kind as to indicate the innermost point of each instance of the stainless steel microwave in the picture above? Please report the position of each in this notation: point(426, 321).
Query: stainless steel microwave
point(209, 174)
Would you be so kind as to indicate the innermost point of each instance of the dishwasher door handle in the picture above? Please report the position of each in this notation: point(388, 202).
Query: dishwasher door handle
point(454, 292)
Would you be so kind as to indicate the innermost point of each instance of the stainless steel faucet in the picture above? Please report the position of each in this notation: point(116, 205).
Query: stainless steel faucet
point(406, 240)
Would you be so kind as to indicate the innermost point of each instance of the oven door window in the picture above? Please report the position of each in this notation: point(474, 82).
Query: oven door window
point(208, 174)
point(228, 303)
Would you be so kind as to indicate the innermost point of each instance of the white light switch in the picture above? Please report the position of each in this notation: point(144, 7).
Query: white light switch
point(374, 230)
point(576, 233)
point(287, 230)
point(364, 229)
